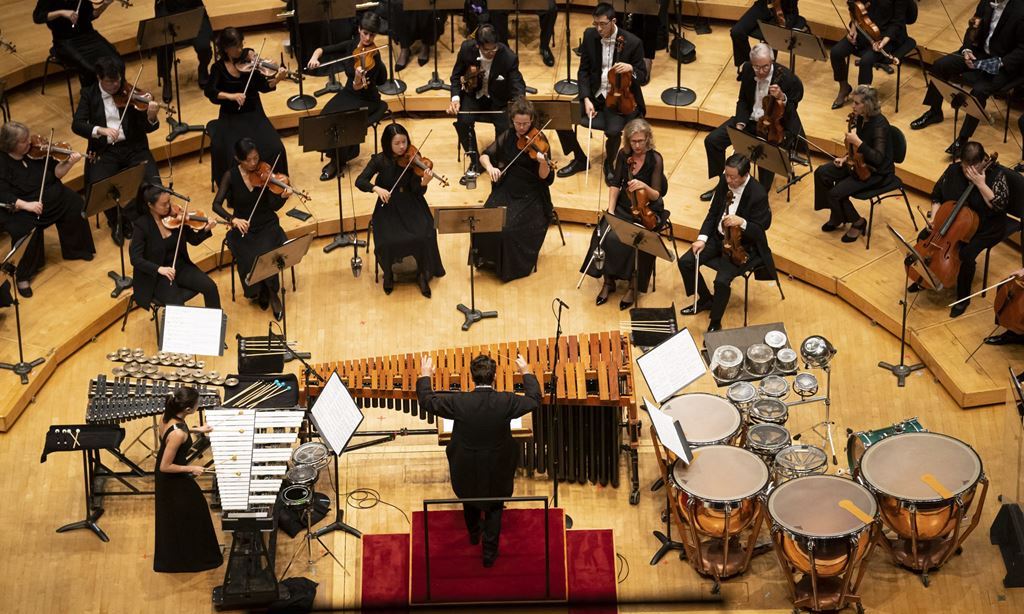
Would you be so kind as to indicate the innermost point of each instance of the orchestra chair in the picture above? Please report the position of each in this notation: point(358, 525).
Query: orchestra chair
point(231, 263)
point(5, 105)
point(1015, 225)
point(154, 307)
point(52, 58)
point(892, 187)
point(908, 48)
point(664, 226)
point(746, 288)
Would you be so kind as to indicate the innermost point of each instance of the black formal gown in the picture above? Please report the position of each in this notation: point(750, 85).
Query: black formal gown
point(349, 98)
point(265, 231)
point(185, 539)
point(404, 226)
point(233, 123)
point(77, 45)
point(619, 257)
point(527, 199)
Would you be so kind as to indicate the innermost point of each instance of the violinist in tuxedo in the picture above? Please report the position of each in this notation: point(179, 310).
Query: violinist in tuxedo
point(890, 16)
point(759, 78)
point(485, 77)
point(118, 145)
point(476, 13)
point(749, 24)
point(992, 55)
point(737, 201)
point(606, 47)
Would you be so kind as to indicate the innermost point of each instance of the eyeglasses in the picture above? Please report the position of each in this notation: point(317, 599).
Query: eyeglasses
point(762, 67)
point(602, 24)
point(522, 124)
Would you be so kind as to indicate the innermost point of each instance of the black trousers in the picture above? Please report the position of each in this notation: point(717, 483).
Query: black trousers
point(711, 256)
point(62, 208)
point(607, 120)
point(115, 159)
point(490, 527)
point(982, 86)
point(499, 19)
point(833, 186)
point(81, 52)
point(716, 143)
point(983, 239)
point(840, 57)
point(201, 43)
point(741, 31)
point(1020, 128)
point(465, 124)
point(187, 277)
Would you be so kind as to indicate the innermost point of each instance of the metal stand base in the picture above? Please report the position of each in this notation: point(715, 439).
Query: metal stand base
point(331, 87)
point(435, 83)
point(474, 315)
point(678, 96)
point(569, 87)
point(121, 283)
point(88, 523)
point(22, 369)
point(392, 87)
point(667, 545)
point(180, 128)
point(343, 239)
point(337, 525)
point(301, 102)
point(900, 371)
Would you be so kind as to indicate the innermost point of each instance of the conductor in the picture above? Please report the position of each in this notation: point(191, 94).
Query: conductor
point(482, 455)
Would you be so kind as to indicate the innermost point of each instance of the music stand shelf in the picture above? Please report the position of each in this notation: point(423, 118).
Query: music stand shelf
point(108, 193)
point(471, 220)
point(9, 267)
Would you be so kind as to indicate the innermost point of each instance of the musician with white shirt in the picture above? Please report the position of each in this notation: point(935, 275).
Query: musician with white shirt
point(117, 145)
point(737, 201)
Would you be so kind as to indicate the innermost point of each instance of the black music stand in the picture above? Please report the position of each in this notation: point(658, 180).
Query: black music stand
point(435, 82)
point(902, 370)
point(796, 42)
point(679, 96)
point(471, 220)
point(760, 152)
point(558, 115)
point(164, 31)
point(667, 543)
point(959, 98)
point(517, 6)
point(568, 85)
point(107, 193)
point(274, 262)
point(334, 131)
point(641, 240)
point(9, 267)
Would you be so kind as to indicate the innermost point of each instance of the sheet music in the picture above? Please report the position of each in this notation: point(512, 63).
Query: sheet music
point(669, 432)
point(671, 366)
point(193, 330)
point(336, 415)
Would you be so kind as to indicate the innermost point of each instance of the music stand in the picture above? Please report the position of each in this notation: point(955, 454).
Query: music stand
point(164, 31)
point(471, 220)
point(902, 370)
point(796, 42)
point(274, 262)
point(323, 12)
point(334, 131)
point(435, 82)
point(568, 85)
point(558, 115)
point(516, 6)
point(393, 86)
point(760, 152)
point(107, 193)
point(959, 98)
point(641, 240)
point(679, 96)
point(670, 437)
point(336, 417)
point(9, 267)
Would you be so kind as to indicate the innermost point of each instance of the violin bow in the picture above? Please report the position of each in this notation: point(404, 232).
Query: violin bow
point(177, 244)
point(411, 160)
point(349, 57)
point(46, 167)
point(263, 189)
point(590, 140)
point(528, 141)
point(992, 287)
point(131, 93)
point(255, 65)
point(78, 11)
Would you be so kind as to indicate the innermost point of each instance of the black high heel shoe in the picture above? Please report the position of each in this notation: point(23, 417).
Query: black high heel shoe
point(606, 290)
point(424, 286)
point(628, 300)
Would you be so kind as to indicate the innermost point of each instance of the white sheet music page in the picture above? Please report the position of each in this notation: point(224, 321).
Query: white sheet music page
point(193, 330)
point(336, 414)
point(672, 366)
point(664, 426)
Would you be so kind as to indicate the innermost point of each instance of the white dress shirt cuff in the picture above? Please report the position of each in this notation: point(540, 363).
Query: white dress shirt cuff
point(703, 238)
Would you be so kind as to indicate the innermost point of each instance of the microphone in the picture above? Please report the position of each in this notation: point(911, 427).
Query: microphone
point(172, 192)
point(562, 303)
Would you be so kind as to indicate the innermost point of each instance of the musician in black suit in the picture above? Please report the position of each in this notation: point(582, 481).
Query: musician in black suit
point(117, 145)
point(998, 44)
point(605, 47)
point(75, 41)
point(747, 207)
point(891, 18)
point(499, 82)
point(482, 455)
point(759, 78)
point(477, 13)
point(162, 269)
point(749, 23)
point(202, 43)
point(652, 30)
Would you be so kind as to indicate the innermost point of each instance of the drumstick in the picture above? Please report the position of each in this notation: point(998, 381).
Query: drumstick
point(246, 390)
point(860, 514)
point(936, 485)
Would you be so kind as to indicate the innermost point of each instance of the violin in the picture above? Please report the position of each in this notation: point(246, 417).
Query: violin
point(197, 220)
point(268, 69)
point(472, 79)
point(639, 205)
point(954, 223)
point(769, 126)
point(854, 159)
point(138, 100)
point(973, 30)
point(733, 244)
point(277, 183)
point(1009, 305)
point(620, 93)
point(366, 59)
point(775, 6)
point(419, 165)
point(59, 151)
point(860, 19)
point(125, 3)
point(534, 142)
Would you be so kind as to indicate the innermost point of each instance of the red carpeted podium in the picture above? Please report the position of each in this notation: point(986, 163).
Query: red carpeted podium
point(582, 563)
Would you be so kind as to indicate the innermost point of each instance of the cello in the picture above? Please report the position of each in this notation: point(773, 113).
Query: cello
point(1009, 305)
point(860, 20)
point(954, 223)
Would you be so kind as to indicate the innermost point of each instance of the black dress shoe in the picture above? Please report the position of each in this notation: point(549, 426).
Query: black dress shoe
point(424, 287)
point(841, 97)
point(424, 56)
point(930, 117)
point(689, 310)
point(627, 301)
point(547, 56)
point(958, 310)
point(329, 172)
point(263, 301)
point(606, 290)
point(713, 326)
point(25, 291)
point(855, 231)
point(489, 560)
point(914, 287)
point(954, 148)
point(707, 196)
point(831, 226)
point(578, 165)
point(1005, 339)
point(402, 61)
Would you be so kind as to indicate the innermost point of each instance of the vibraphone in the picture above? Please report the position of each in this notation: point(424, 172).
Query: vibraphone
point(126, 398)
point(594, 387)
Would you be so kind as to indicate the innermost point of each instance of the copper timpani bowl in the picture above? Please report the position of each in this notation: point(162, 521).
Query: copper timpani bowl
point(720, 488)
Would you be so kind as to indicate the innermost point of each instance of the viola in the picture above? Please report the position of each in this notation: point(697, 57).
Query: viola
point(195, 219)
point(620, 93)
point(954, 223)
point(246, 63)
point(59, 151)
point(366, 59)
point(534, 142)
point(472, 79)
point(733, 244)
point(138, 99)
point(639, 204)
point(769, 126)
point(419, 165)
point(854, 159)
point(277, 183)
point(860, 20)
point(1009, 305)
point(775, 6)
point(973, 30)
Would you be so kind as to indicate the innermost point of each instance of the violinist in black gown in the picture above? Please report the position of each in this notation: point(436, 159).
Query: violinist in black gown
point(638, 167)
point(521, 185)
point(988, 199)
point(241, 110)
point(749, 24)
point(255, 228)
point(891, 18)
point(412, 26)
point(20, 180)
point(360, 89)
point(185, 538)
point(835, 183)
point(402, 223)
point(162, 269)
point(75, 41)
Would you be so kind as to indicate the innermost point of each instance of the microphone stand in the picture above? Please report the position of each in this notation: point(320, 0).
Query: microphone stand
point(554, 413)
